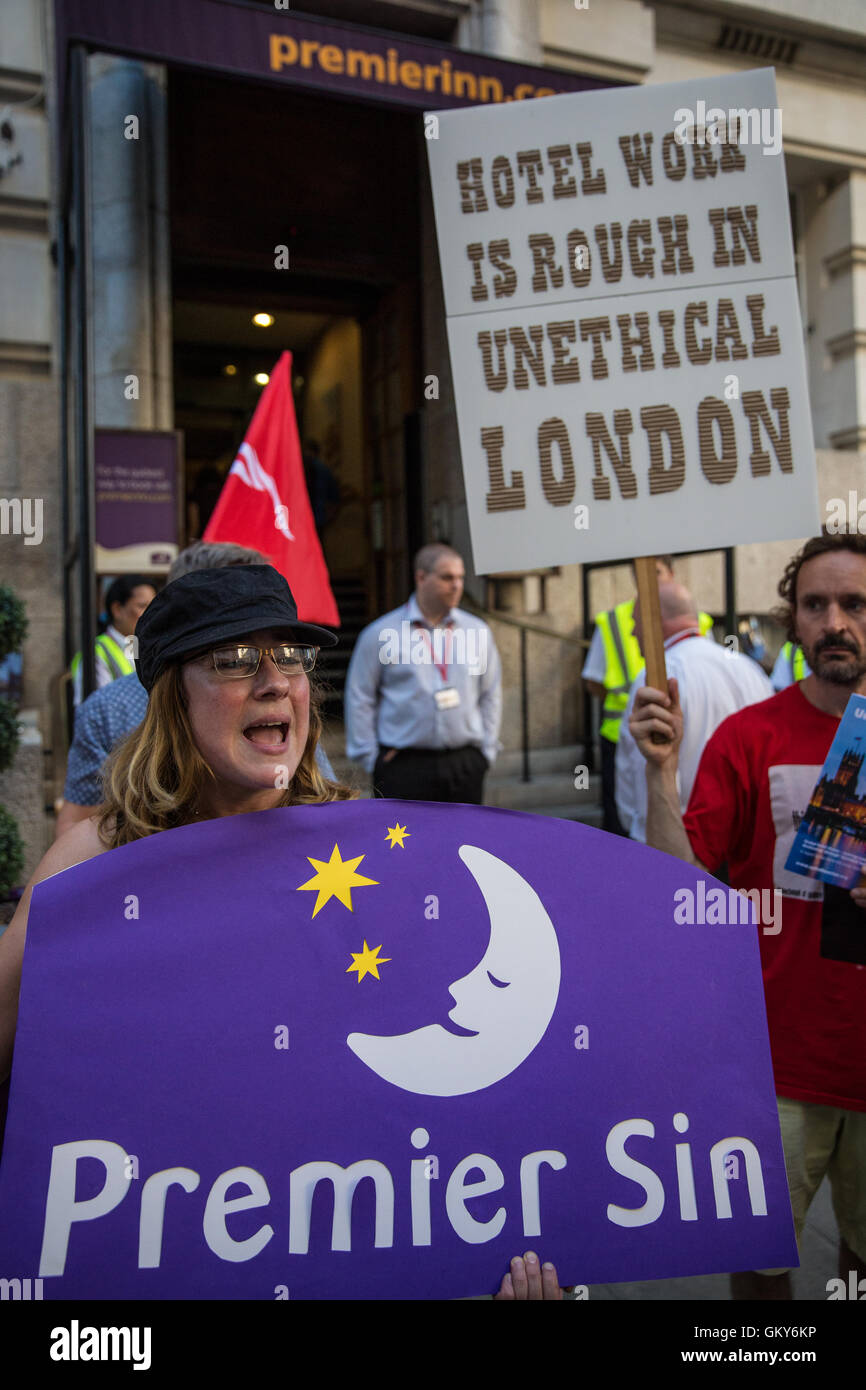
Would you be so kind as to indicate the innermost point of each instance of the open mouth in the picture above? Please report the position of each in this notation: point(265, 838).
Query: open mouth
point(267, 735)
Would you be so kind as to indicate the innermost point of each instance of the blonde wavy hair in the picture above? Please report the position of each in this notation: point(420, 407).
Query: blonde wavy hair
point(154, 778)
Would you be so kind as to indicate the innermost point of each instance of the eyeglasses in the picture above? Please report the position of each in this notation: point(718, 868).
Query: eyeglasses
point(234, 663)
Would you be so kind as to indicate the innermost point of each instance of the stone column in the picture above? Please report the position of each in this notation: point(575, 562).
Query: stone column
point(844, 331)
point(131, 328)
point(510, 29)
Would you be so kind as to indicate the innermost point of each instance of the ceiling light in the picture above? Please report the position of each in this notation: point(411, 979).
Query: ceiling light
point(230, 369)
point(263, 320)
point(261, 378)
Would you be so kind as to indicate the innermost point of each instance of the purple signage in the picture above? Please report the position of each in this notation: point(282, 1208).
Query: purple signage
point(373, 1050)
point(137, 477)
point(284, 47)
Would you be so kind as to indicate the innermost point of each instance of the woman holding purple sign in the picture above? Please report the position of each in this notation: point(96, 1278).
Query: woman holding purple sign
point(232, 726)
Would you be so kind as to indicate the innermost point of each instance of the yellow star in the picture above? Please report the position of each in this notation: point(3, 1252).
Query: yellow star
point(336, 879)
point(366, 962)
point(396, 834)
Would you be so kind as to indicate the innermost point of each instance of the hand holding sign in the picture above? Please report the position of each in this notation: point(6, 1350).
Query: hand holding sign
point(652, 643)
point(529, 1280)
point(656, 723)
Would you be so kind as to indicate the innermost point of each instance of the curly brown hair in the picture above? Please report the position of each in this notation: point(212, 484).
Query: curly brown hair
point(153, 779)
point(824, 544)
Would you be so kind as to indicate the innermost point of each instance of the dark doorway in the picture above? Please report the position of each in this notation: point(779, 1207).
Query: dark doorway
point(254, 169)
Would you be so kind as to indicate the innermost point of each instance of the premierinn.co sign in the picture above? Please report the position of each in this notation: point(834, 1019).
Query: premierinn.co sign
point(276, 45)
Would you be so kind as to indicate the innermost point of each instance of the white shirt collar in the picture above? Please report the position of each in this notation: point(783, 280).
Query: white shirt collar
point(416, 616)
point(678, 636)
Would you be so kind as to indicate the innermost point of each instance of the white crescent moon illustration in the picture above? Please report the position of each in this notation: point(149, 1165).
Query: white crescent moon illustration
point(507, 1000)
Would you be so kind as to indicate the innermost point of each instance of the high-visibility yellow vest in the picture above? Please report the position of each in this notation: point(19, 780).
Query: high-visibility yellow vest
point(795, 661)
point(110, 654)
point(624, 661)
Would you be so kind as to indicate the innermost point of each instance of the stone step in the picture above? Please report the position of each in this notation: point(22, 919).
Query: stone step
point(508, 766)
point(550, 796)
point(586, 813)
point(542, 761)
point(550, 790)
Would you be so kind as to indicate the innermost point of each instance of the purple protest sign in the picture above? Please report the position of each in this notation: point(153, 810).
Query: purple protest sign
point(373, 1050)
point(137, 499)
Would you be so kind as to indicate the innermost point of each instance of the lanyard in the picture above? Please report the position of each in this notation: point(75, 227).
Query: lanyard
point(449, 637)
point(683, 637)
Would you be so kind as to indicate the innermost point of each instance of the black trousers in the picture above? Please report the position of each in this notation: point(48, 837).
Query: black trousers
point(610, 818)
point(430, 774)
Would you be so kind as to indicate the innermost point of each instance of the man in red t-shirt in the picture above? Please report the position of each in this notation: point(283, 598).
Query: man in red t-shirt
point(753, 784)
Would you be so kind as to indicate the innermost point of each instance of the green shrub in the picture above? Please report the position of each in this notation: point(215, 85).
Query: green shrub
point(9, 735)
point(11, 854)
point(13, 622)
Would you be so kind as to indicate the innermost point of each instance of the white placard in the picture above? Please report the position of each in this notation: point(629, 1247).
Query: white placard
point(623, 321)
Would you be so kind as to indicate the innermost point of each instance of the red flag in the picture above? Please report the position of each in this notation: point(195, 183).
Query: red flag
point(264, 503)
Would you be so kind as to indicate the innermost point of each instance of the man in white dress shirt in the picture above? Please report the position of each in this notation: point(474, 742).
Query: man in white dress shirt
point(424, 691)
point(713, 683)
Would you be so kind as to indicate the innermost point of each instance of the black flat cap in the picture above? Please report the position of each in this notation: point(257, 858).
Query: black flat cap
point(206, 607)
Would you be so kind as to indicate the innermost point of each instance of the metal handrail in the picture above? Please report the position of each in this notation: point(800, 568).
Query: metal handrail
point(469, 602)
point(523, 628)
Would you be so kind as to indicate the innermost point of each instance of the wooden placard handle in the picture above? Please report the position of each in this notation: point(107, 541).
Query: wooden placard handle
point(651, 625)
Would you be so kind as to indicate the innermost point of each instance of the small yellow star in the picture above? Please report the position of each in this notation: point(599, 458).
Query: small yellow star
point(336, 879)
point(367, 962)
point(397, 834)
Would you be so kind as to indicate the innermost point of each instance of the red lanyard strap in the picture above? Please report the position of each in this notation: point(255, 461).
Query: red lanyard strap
point(449, 637)
point(682, 637)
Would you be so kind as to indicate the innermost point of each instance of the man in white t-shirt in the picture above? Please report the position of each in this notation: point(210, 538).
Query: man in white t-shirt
point(713, 683)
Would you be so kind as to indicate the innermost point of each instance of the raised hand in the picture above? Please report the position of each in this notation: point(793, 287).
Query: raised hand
point(655, 713)
point(529, 1279)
